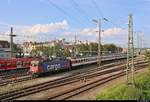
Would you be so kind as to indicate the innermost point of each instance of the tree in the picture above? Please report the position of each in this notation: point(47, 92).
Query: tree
point(120, 49)
point(58, 50)
point(17, 51)
point(48, 51)
point(110, 47)
point(66, 53)
point(82, 49)
point(16, 48)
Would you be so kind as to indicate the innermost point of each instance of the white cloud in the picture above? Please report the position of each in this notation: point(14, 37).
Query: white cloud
point(111, 35)
point(106, 33)
point(115, 35)
point(26, 33)
point(114, 32)
point(46, 28)
point(37, 28)
point(88, 32)
point(35, 32)
point(3, 37)
point(68, 33)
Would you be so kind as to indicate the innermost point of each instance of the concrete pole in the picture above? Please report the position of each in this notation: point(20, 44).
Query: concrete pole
point(99, 43)
point(128, 52)
point(139, 49)
point(75, 48)
point(11, 41)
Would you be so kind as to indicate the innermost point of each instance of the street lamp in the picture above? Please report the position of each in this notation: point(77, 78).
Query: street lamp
point(99, 40)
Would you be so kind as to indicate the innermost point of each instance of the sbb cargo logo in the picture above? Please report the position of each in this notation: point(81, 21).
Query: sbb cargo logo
point(53, 67)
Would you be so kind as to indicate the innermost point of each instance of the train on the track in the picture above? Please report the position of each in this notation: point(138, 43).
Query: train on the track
point(40, 66)
point(11, 64)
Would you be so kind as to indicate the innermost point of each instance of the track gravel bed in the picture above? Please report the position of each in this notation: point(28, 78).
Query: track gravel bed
point(20, 85)
point(94, 75)
point(58, 83)
point(62, 90)
point(54, 91)
point(94, 92)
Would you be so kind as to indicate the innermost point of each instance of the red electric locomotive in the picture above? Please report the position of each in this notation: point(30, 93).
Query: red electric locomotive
point(15, 64)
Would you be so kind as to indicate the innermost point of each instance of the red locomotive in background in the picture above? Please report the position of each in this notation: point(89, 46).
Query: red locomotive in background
point(15, 63)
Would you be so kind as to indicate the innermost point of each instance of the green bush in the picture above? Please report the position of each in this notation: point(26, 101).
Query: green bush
point(121, 92)
point(112, 94)
point(124, 92)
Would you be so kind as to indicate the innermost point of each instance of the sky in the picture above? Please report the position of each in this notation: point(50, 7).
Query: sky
point(44, 20)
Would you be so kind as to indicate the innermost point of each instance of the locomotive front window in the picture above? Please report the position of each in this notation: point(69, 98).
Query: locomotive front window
point(34, 65)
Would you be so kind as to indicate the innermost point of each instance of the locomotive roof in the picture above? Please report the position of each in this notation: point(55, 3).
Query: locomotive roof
point(57, 58)
point(49, 59)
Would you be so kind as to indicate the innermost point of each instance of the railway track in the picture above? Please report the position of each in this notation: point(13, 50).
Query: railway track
point(66, 94)
point(63, 95)
point(25, 76)
point(13, 78)
point(18, 79)
point(67, 78)
point(8, 74)
point(60, 82)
